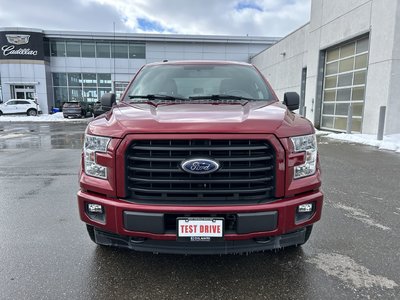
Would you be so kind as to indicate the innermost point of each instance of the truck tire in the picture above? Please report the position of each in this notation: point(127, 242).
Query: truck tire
point(1, 113)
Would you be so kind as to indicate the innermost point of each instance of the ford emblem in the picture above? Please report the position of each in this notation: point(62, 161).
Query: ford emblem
point(199, 166)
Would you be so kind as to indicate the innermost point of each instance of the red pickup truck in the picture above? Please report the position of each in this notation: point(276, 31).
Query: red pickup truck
point(200, 157)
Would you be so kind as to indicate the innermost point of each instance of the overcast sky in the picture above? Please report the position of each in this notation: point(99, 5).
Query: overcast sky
point(272, 18)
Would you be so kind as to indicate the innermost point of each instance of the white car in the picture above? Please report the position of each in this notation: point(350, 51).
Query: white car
point(20, 106)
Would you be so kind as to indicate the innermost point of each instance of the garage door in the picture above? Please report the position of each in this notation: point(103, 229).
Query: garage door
point(344, 84)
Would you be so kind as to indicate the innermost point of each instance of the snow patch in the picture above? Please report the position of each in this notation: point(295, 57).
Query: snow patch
point(389, 142)
point(57, 117)
point(350, 272)
point(11, 136)
point(360, 215)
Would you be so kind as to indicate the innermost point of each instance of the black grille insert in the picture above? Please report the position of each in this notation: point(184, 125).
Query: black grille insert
point(153, 171)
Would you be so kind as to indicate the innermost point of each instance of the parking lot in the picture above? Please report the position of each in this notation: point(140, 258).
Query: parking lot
point(45, 252)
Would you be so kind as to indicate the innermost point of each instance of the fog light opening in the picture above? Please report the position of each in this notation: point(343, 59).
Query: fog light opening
point(305, 208)
point(95, 208)
point(95, 212)
point(305, 212)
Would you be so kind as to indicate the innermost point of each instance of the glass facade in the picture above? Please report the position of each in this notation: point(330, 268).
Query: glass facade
point(1, 92)
point(344, 85)
point(99, 49)
point(119, 88)
point(82, 87)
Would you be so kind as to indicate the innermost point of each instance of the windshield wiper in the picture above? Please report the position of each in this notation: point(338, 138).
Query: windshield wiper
point(221, 97)
point(156, 97)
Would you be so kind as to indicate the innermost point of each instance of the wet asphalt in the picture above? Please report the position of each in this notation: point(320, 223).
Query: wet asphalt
point(45, 253)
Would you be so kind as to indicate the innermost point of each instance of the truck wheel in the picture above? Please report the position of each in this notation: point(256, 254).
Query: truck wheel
point(1, 112)
point(31, 112)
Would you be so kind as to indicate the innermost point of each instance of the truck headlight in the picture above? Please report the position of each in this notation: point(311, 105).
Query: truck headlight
point(307, 144)
point(92, 145)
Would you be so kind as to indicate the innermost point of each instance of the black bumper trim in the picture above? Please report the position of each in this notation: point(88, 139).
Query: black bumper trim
point(243, 222)
point(254, 222)
point(201, 248)
point(145, 222)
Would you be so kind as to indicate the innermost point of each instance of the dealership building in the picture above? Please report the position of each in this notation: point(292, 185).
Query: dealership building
point(347, 58)
point(60, 66)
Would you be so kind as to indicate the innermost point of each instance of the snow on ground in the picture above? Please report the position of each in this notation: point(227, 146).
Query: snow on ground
point(389, 142)
point(57, 117)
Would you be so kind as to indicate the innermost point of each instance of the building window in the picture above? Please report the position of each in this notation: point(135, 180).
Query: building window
point(57, 48)
point(119, 50)
point(104, 80)
point(59, 79)
point(86, 87)
point(88, 49)
point(1, 92)
point(137, 51)
point(89, 79)
point(344, 85)
point(103, 50)
point(73, 49)
point(74, 79)
point(119, 88)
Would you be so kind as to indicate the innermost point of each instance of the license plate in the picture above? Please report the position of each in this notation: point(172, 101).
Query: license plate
point(198, 229)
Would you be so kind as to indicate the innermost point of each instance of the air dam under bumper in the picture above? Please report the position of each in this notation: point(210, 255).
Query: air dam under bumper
point(280, 228)
point(213, 247)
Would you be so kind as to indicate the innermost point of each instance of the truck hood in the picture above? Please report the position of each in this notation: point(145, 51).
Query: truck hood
point(252, 117)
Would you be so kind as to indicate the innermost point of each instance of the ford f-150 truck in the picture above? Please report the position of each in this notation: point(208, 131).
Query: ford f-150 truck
point(200, 158)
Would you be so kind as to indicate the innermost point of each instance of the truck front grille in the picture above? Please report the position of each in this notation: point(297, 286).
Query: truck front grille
point(153, 172)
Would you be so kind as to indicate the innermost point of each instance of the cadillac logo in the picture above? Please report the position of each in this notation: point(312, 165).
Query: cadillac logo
point(18, 39)
point(200, 166)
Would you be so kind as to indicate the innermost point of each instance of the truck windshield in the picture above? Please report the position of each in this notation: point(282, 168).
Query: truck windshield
point(199, 81)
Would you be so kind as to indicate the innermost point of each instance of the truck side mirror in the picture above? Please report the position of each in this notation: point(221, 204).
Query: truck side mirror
point(291, 100)
point(107, 101)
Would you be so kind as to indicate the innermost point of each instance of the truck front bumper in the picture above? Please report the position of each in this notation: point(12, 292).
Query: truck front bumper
point(256, 227)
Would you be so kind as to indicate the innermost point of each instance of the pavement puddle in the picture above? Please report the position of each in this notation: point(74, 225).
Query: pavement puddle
point(350, 272)
point(360, 215)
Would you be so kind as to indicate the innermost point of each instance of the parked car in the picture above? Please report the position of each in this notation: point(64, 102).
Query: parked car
point(20, 106)
point(73, 109)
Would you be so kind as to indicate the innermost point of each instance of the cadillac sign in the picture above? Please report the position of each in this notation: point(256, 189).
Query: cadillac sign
point(18, 39)
point(26, 45)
